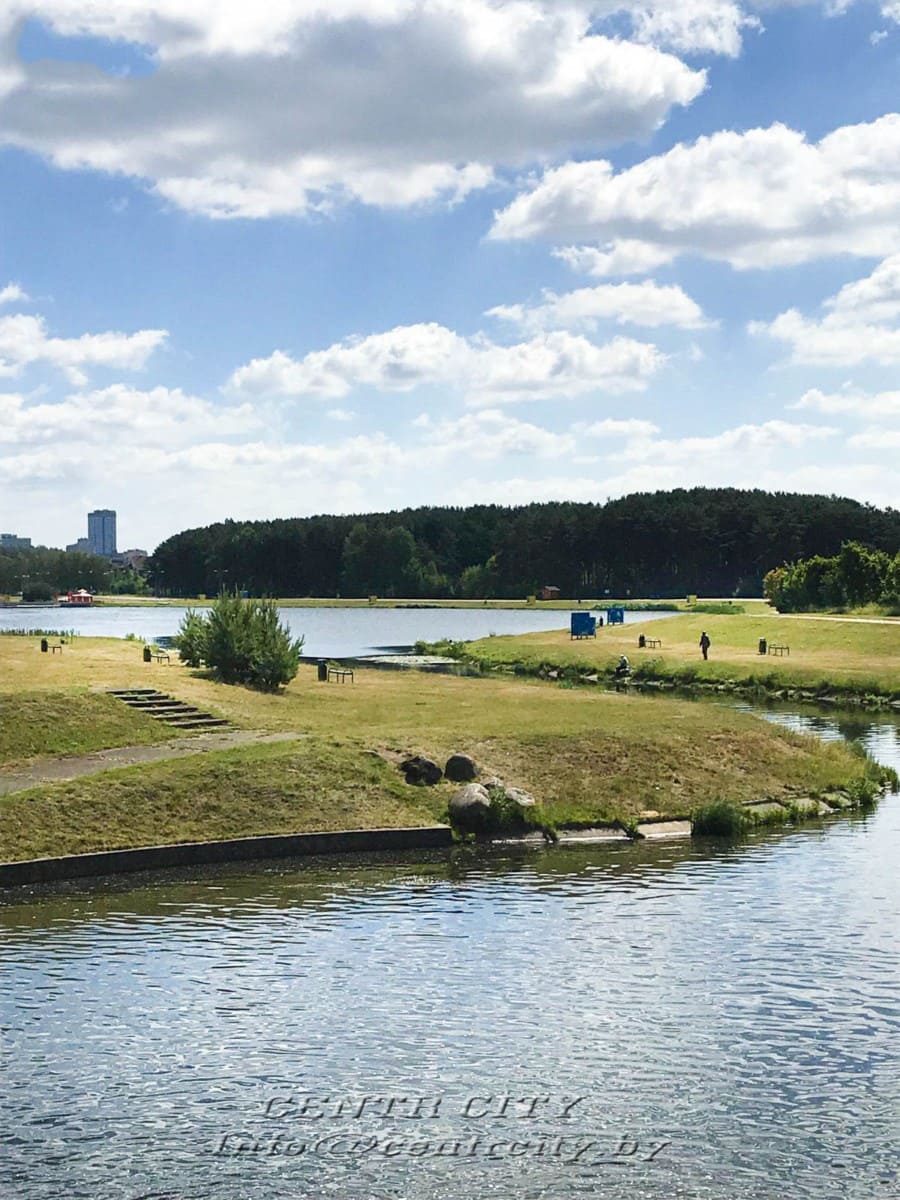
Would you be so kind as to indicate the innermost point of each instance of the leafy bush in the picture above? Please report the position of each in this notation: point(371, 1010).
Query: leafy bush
point(38, 592)
point(190, 640)
point(242, 641)
point(720, 818)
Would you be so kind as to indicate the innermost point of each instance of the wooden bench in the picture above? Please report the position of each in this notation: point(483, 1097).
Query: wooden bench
point(652, 643)
point(57, 646)
point(773, 649)
point(341, 673)
point(160, 655)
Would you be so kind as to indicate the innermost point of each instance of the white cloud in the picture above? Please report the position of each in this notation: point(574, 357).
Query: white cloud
point(157, 417)
point(24, 340)
point(12, 293)
point(628, 427)
point(763, 198)
point(623, 257)
point(861, 323)
point(414, 356)
point(490, 434)
point(850, 403)
point(876, 439)
point(743, 441)
point(289, 106)
point(649, 304)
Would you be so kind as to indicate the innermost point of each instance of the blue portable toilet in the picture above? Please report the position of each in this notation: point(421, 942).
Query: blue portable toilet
point(615, 616)
point(583, 625)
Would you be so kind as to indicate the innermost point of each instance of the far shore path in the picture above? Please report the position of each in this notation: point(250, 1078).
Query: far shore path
point(75, 766)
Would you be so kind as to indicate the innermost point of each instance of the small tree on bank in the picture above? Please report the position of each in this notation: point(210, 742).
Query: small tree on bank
point(242, 641)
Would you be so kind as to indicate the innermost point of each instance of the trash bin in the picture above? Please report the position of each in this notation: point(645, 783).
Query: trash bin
point(322, 666)
point(45, 645)
point(147, 655)
point(763, 647)
point(642, 641)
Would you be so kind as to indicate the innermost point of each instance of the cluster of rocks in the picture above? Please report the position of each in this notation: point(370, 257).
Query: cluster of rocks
point(470, 805)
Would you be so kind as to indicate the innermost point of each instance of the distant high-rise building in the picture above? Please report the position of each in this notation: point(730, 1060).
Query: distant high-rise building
point(11, 541)
point(102, 532)
point(82, 546)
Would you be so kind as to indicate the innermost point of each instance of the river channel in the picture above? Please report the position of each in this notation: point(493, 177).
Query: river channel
point(669, 1020)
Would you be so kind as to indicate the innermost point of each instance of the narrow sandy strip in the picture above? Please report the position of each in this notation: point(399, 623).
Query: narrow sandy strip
point(61, 770)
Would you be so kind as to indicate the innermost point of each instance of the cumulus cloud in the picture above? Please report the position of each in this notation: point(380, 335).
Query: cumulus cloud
point(24, 340)
point(623, 257)
point(12, 293)
point(850, 403)
point(628, 427)
point(764, 198)
point(287, 107)
point(157, 417)
point(415, 356)
point(648, 304)
point(742, 441)
point(861, 323)
point(490, 434)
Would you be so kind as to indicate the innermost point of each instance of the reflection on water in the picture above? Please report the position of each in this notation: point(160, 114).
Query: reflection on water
point(729, 1020)
point(332, 632)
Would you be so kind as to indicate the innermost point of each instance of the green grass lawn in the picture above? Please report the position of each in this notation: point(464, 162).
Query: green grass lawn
point(39, 723)
point(267, 789)
point(829, 654)
point(587, 755)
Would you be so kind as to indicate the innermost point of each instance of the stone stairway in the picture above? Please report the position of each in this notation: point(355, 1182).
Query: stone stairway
point(167, 709)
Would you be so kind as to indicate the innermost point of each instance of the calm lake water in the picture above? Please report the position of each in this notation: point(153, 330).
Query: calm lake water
point(329, 632)
point(728, 1017)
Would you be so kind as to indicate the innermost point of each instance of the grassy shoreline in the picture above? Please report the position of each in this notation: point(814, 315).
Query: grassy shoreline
point(845, 661)
point(590, 757)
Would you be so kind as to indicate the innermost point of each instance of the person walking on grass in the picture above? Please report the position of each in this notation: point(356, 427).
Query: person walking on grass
point(705, 644)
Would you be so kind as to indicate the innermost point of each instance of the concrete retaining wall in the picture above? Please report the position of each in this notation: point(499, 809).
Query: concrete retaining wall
point(190, 854)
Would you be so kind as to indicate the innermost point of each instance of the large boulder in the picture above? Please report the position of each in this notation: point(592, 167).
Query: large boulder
point(460, 768)
point(469, 807)
point(520, 796)
point(419, 770)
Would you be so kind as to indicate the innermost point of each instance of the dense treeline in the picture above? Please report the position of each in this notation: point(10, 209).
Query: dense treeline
point(856, 576)
point(40, 573)
point(55, 570)
point(707, 541)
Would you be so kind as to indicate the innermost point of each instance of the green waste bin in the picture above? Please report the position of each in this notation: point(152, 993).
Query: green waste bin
point(147, 655)
point(323, 670)
point(763, 646)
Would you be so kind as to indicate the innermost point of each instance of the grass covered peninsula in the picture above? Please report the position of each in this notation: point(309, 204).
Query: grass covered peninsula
point(841, 658)
point(588, 756)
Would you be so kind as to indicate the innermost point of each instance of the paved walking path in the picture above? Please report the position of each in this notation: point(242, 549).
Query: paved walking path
point(61, 770)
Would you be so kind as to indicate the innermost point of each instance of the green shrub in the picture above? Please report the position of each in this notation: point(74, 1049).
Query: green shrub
point(38, 592)
point(242, 641)
point(720, 818)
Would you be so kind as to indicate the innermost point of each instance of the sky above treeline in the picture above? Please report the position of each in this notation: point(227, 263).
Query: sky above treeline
point(305, 256)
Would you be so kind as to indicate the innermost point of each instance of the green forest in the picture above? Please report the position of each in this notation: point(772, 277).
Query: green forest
point(711, 542)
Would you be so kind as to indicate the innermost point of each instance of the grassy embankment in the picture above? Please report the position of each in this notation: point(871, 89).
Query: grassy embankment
point(827, 657)
point(53, 723)
point(588, 756)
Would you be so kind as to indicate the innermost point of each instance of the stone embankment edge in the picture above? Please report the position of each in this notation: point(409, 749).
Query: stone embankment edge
point(190, 854)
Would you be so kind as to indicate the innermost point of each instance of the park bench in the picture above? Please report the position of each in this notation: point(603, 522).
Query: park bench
point(341, 673)
point(160, 655)
point(54, 646)
point(652, 643)
point(779, 649)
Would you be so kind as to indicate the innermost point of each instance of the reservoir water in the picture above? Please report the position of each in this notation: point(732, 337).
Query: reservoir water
point(327, 632)
point(665, 1021)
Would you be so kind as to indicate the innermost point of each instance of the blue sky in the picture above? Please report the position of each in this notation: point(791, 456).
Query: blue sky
point(338, 256)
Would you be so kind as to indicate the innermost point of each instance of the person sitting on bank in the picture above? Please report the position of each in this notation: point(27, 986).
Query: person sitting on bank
point(705, 643)
point(623, 668)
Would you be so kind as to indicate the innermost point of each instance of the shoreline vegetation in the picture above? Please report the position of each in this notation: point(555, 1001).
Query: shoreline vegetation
point(591, 758)
point(825, 660)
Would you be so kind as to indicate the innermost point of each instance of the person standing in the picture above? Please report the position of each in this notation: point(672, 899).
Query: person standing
point(705, 644)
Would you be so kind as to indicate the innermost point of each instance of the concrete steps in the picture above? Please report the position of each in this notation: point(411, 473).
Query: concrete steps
point(162, 707)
